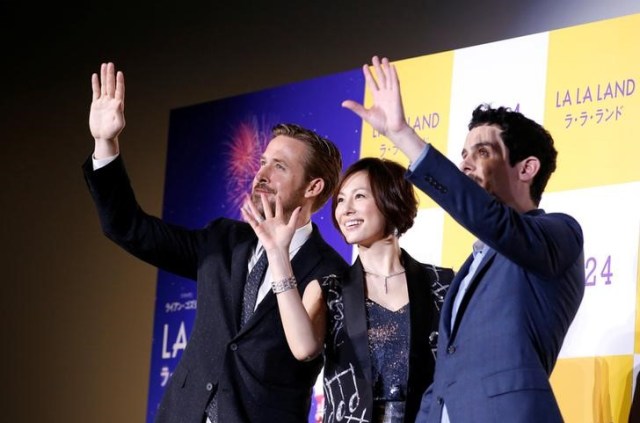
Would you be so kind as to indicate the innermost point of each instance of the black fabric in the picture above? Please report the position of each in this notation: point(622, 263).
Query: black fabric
point(250, 368)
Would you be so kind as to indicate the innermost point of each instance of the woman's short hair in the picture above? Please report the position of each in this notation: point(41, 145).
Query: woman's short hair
point(393, 194)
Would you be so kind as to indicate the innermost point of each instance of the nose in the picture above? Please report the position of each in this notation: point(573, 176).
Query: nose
point(347, 206)
point(262, 175)
point(466, 165)
point(343, 208)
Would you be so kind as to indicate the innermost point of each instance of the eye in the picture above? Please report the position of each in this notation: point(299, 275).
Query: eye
point(262, 162)
point(360, 195)
point(483, 152)
point(339, 200)
point(279, 166)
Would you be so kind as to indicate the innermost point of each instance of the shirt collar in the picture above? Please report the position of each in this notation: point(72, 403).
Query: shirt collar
point(479, 247)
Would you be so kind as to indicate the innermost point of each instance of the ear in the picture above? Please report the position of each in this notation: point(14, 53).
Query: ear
point(529, 168)
point(314, 188)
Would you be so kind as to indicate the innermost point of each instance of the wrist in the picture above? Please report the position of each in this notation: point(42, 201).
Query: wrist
point(105, 148)
point(401, 132)
point(408, 141)
point(284, 284)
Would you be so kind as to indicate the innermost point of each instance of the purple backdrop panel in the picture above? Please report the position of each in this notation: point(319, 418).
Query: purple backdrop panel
point(212, 156)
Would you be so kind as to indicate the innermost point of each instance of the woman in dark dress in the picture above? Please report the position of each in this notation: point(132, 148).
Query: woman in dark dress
point(376, 324)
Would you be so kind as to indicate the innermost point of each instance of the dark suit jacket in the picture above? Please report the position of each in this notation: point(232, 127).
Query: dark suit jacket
point(494, 365)
point(250, 369)
point(348, 387)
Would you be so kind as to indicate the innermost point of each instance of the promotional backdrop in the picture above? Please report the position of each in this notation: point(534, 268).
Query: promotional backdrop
point(581, 83)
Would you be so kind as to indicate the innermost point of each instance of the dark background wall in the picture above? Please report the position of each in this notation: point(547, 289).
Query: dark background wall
point(77, 313)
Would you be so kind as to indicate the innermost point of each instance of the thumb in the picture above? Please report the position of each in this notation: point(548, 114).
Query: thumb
point(355, 107)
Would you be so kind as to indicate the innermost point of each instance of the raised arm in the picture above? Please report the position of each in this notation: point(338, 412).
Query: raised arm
point(106, 118)
point(169, 247)
point(303, 318)
point(386, 115)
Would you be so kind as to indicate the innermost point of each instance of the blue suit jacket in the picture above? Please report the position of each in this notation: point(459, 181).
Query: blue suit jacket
point(494, 364)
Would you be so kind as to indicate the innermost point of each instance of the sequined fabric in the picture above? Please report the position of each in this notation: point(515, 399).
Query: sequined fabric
point(388, 412)
point(389, 351)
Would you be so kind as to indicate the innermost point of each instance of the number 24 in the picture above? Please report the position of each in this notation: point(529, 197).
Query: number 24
point(591, 266)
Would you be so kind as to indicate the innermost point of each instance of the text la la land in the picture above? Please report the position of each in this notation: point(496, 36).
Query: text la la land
point(419, 122)
point(599, 92)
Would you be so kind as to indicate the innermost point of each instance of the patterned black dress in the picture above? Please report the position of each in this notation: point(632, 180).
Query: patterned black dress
point(376, 359)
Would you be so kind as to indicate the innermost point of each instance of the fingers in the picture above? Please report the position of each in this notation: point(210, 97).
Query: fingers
point(266, 207)
point(368, 78)
point(248, 217)
point(380, 73)
point(294, 217)
point(355, 107)
point(250, 213)
point(95, 86)
point(108, 84)
point(279, 209)
point(120, 86)
point(393, 76)
point(111, 80)
point(384, 78)
point(103, 79)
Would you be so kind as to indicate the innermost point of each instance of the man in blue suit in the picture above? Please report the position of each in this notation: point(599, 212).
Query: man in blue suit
point(509, 308)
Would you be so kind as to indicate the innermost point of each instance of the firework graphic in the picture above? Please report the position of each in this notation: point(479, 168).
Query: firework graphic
point(243, 150)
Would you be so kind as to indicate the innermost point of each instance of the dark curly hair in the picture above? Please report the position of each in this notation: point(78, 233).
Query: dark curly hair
point(523, 138)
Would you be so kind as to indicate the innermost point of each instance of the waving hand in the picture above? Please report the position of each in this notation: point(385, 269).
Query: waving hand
point(274, 232)
point(386, 115)
point(106, 117)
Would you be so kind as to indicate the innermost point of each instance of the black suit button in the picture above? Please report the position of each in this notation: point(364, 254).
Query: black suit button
point(233, 347)
point(209, 386)
point(451, 349)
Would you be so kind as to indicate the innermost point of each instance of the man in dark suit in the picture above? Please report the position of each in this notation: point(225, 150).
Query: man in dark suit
point(511, 303)
point(237, 366)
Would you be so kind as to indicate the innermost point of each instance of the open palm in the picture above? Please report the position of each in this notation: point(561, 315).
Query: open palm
point(106, 117)
point(386, 115)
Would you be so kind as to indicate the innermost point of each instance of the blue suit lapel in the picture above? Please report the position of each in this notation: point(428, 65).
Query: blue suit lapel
point(447, 307)
point(473, 284)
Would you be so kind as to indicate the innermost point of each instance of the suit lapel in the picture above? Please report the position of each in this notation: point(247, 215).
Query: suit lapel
point(447, 307)
point(239, 270)
point(473, 284)
point(420, 306)
point(355, 316)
